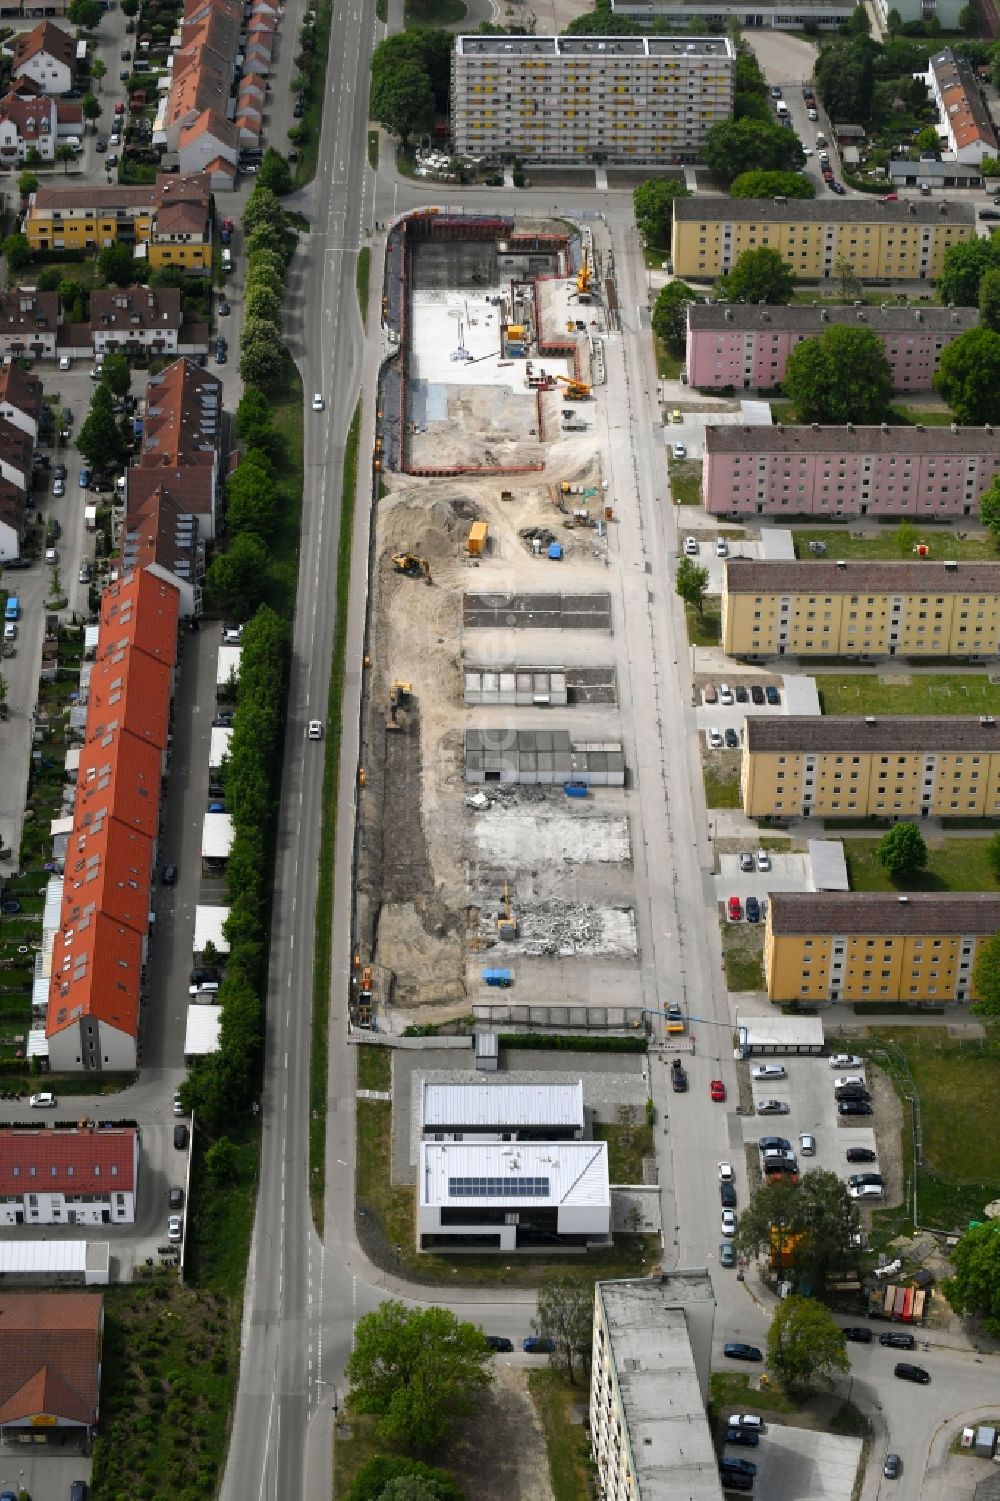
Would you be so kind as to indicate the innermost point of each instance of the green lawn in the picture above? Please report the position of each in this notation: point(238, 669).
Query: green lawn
point(374, 1068)
point(373, 149)
point(362, 274)
point(684, 476)
point(884, 543)
point(434, 12)
point(955, 865)
point(668, 364)
point(627, 1146)
point(557, 1403)
point(721, 772)
point(705, 629)
point(743, 951)
point(958, 693)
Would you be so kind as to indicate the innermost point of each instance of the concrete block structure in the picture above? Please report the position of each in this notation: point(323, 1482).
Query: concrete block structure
point(747, 347)
point(903, 241)
point(652, 1351)
point(589, 98)
point(542, 758)
point(909, 766)
point(933, 473)
point(841, 609)
point(873, 946)
point(501, 1110)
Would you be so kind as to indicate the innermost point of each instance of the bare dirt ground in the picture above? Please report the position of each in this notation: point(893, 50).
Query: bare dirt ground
point(513, 1465)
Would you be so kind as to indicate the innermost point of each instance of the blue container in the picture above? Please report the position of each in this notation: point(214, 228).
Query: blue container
point(575, 789)
point(498, 977)
point(555, 551)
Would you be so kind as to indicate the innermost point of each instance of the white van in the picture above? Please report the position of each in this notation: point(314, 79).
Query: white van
point(74, 143)
point(781, 109)
point(227, 262)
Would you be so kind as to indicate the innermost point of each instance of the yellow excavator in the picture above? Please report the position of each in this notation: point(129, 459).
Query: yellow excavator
point(411, 565)
point(585, 276)
point(576, 390)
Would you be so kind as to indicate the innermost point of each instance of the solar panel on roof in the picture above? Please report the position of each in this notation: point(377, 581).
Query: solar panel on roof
point(498, 1188)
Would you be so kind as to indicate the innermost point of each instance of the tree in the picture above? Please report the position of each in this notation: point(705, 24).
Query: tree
point(222, 1161)
point(989, 299)
point(893, 22)
point(253, 424)
point(691, 583)
point(968, 20)
point(843, 376)
point(116, 264)
point(760, 184)
point(263, 211)
point(100, 439)
point(263, 303)
point(902, 851)
point(27, 183)
point(905, 537)
point(237, 578)
point(91, 107)
point(98, 70)
point(805, 1347)
point(845, 77)
point(963, 268)
point(417, 1369)
point(986, 978)
point(262, 358)
point(403, 102)
point(84, 14)
point(252, 497)
point(968, 377)
point(975, 1287)
point(565, 1315)
point(846, 277)
point(16, 252)
point(670, 313)
point(927, 139)
point(602, 21)
point(116, 374)
point(654, 208)
point(759, 276)
point(65, 154)
point(814, 1220)
point(275, 173)
point(373, 1479)
point(735, 146)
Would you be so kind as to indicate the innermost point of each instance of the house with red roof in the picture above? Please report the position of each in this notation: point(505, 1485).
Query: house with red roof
point(140, 610)
point(108, 868)
point(79, 1177)
point(92, 1021)
point(162, 537)
point(20, 398)
point(47, 56)
point(50, 1367)
point(131, 691)
point(119, 776)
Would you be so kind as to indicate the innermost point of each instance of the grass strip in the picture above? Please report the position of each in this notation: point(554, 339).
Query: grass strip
point(565, 1440)
point(315, 75)
point(373, 141)
point(362, 274)
point(323, 938)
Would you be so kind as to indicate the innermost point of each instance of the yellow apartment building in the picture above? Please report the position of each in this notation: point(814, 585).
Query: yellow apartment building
point(905, 241)
point(168, 222)
point(872, 946)
point(840, 609)
point(807, 766)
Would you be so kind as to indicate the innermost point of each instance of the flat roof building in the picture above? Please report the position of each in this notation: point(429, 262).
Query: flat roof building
point(931, 473)
point(746, 347)
point(910, 766)
point(501, 1110)
point(904, 241)
point(509, 1196)
point(804, 15)
point(860, 609)
point(541, 758)
point(652, 1352)
point(859, 946)
point(589, 98)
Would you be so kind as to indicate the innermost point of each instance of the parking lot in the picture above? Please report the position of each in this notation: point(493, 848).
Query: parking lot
point(787, 873)
point(796, 695)
point(807, 1089)
point(799, 1462)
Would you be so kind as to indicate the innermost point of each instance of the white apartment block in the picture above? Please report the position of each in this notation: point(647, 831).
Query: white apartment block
point(589, 99)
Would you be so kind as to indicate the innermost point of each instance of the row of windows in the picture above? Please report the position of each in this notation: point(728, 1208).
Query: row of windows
point(874, 599)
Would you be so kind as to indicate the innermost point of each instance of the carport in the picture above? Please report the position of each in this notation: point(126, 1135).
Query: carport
point(209, 927)
point(216, 840)
point(767, 1036)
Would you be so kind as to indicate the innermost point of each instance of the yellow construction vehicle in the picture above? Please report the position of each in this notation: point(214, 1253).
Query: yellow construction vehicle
point(507, 924)
point(400, 692)
point(585, 276)
point(411, 565)
point(576, 390)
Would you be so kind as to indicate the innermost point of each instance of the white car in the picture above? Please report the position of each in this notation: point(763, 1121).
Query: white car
point(58, 487)
point(726, 694)
point(763, 861)
point(691, 546)
point(65, 363)
point(174, 1230)
point(715, 740)
point(846, 1060)
point(721, 547)
point(729, 1223)
point(745, 1420)
point(318, 402)
point(807, 151)
point(51, 556)
point(725, 1172)
point(204, 987)
point(811, 114)
point(680, 451)
point(315, 729)
point(844, 1081)
point(42, 1101)
point(865, 1191)
point(10, 631)
point(768, 1071)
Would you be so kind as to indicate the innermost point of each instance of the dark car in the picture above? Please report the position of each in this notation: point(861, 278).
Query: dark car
point(731, 738)
point(224, 309)
point(752, 909)
point(738, 1466)
point(126, 56)
point(854, 1107)
point(742, 1352)
point(224, 720)
point(749, 1438)
point(771, 694)
point(175, 1198)
point(168, 875)
point(857, 1334)
point(203, 974)
point(537, 1344)
point(101, 144)
point(893, 1464)
point(757, 693)
point(181, 1137)
point(861, 1154)
point(989, 213)
point(898, 1341)
point(741, 694)
point(220, 357)
point(774, 1144)
point(299, 109)
point(58, 471)
point(499, 1342)
point(907, 1372)
point(732, 1480)
point(727, 1195)
point(78, 1491)
point(851, 1092)
point(678, 1079)
point(837, 187)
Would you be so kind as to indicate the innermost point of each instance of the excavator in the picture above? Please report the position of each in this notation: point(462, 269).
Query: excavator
point(411, 565)
point(585, 276)
point(576, 390)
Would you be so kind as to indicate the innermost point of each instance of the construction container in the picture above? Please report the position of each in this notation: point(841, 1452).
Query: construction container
point(516, 333)
point(500, 978)
point(555, 551)
point(478, 533)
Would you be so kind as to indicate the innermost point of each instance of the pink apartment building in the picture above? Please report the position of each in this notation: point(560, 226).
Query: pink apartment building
point(747, 347)
point(931, 473)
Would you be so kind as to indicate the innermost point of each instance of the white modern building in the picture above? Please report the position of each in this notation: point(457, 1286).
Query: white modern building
point(75, 1177)
point(494, 1110)
point(776, 15)
point(651, 1359)
point(509, 1196)
point(589, 98)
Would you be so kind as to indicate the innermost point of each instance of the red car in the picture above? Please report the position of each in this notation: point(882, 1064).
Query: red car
point(890, 198)
point(718, 1090)
point(735, 910)
point(119, 108)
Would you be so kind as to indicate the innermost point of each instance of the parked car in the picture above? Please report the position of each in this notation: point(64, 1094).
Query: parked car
point(892, 1467)
point(854, 1107)
point(43, 1101)
point(735, 909)
point(907, 1372)
point(680, 449)
point(763, 861)
point(861, 1154)
point(726, 695)
point(728, 1223)
point(727, 1195)
point(856, 1179)
point(168, 876)
point(691, 546)
point(748, 1438)
point(740, 1351)
point(807, 1144)
point(773, 1107)
point(181, 1137)
point(499, 1342)
point(709, 694)
point(174, 1229)
point(84, 574)
point(746, 860)
point(79, 1491)
point(774, 1144)
point(753, 909)
point(844, 1080)
point(732, 739)
point(746, 1420)
point(769, 1071)
point(862, 1191)
point(715, 740)
point(836, 187)
point(771, 694)
point(896, 1339)
point(742, 693)
point(727, 1255)
point(857, 1334)
point(537, 1344)
point(721, 547)
point(175, 1198)
point(725, 1172)
point(846, 1060)
point(58, 487)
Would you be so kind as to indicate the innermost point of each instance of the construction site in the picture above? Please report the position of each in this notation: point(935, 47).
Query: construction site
point(495, 828)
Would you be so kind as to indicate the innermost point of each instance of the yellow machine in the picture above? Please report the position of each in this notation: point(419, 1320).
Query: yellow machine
point(507, 924)
point(585, 276)
point(576, 390)
point(411, 565)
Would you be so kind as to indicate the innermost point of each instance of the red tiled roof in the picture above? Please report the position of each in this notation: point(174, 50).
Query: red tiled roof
point(19, 389)
point(119, 775)
point(182, 418)
point(210, 123)
point(160, 534)
point(191, 487)
point(132, 690)
point(50, 1353)
point(33, 115)
point(141, 611)
point(96, 970)
point(45, 38)
point(107, 870)
point(100, 1161)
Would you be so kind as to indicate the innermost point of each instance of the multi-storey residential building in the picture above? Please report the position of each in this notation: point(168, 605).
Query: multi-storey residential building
point(650, 1363)
point(20, 398)
point(929, 473)
point(965, 120)
point(75, 1177)
point(840, 609)
point(46, 56)
point(29, 323)
point(31, 120)
point(136, 319)
point(904, 241)
point(747, 347)
point(589, 98)
point(804, 15)
point(169, 218)
point(869, 946)
point(807, 766)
